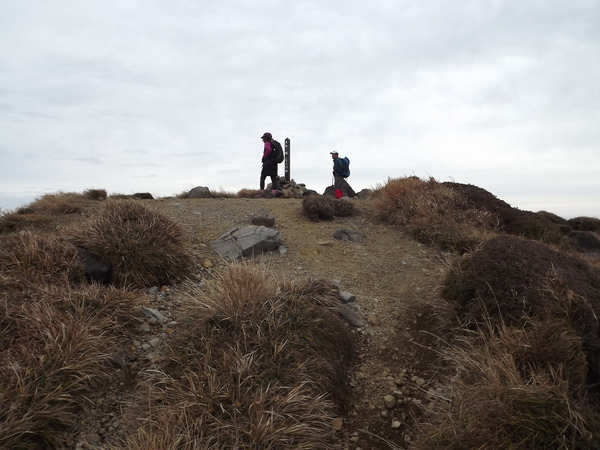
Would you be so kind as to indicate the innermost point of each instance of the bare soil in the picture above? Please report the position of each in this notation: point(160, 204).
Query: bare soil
point(393, 277)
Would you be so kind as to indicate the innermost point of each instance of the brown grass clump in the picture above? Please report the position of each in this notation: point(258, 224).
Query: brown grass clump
point(61, 203)
point(145, 248)
point(95, 194)
point(50, 211)
point(433, 212)
point(511, 279)
point(510, 275)
point(317, 207)
point(511, 388)
point(259, 365)
point(542, 226)
point(585, 224)
point(54, 350)
point(14, 222)
point(28, 260)
point(223, 194)
point(247, 193)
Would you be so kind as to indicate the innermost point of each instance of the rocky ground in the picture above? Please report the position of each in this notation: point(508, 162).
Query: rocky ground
point(392, 276)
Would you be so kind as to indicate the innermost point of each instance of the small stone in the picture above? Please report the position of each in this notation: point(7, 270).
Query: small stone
point(390, 401)
point(155, 342)
point(347, 297)
point(154, 314)
point(373, 321)
point(396, 424)
point(337, 424)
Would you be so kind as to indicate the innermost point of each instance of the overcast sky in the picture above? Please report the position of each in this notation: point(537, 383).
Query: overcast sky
point(162, 96)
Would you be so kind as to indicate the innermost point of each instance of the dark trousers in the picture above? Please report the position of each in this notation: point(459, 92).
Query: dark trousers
point(342, 184)
point(268, 170)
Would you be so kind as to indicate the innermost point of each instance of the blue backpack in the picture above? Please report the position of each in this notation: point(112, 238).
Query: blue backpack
point(346, 167)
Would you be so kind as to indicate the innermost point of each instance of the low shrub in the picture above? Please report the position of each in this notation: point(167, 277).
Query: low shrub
point(585, 224)
point(144, 248)
point(317, 207)
point(247, 193)
point(538, 226)
point(511, 279)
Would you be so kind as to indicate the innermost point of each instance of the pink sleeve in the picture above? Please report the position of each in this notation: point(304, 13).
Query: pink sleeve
point(267, 151)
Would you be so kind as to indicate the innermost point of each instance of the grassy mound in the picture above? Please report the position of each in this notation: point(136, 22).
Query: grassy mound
point(54, 349)
point(433, 212)
point(261, 364)
point(536, 226)
point(317, 207)
point(512, 388)
point(143, 247)
point(28, 261)
point(511, 279)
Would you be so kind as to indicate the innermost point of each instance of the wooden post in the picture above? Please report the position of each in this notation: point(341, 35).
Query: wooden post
point(287, 159)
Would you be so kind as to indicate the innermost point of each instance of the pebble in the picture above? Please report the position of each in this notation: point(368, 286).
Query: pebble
point(390, 401)
point(337, 423)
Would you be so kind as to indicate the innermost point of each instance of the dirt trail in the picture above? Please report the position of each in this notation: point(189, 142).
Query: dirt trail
point(392, 276)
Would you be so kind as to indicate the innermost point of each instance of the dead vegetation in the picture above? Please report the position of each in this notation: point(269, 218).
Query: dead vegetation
point(55, 345)
point(144, 248)
point(523, 356)
point(262, 362)
point(433, 213)
point(317, 207)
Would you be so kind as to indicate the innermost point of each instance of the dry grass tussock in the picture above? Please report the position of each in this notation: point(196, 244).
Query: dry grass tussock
point(144, 248)
point(45, 212)
point(28, 261)
point(317, 207)
point(433, 213)
point(54, 349)
point(262, 364)
point(512, 388)
point(63, 202)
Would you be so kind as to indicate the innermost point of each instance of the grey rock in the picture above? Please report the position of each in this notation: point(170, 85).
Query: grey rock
point(94, 269)
point(390, 401)
point(350, 316)
point(263, 217)
point(247, 241)
point(143, 195)
point(199, 192)
point(349, 235)
point(154, 313)
point(365, 193)
point(347, 297)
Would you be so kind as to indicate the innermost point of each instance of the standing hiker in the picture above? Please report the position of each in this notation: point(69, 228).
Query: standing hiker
point(341, 171)
point(269, 166)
